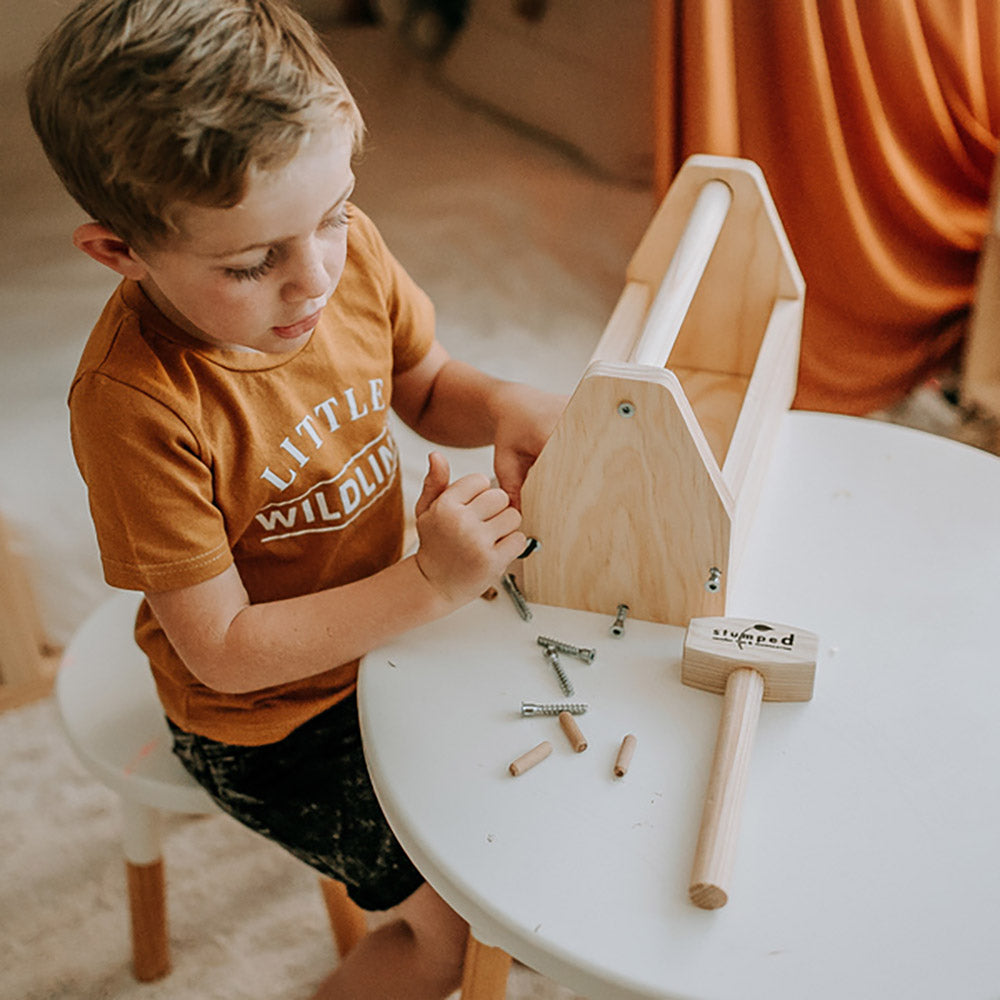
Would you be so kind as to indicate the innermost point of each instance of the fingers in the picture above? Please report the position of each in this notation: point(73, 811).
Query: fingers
point(486, 503)
point(468, 535)
point(435, 482)
point(510, 546)
point(504, 522)
point(473, 490)
point(491, 502)
point(510, 471)
point(469, 487)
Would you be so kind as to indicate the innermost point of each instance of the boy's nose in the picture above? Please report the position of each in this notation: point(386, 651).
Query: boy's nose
point(308, 277)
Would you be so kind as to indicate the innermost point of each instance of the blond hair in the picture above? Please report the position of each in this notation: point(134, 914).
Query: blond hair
point(142, 104)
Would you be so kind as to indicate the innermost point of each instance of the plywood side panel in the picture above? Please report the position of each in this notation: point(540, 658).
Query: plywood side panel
point(769, 391)
point(717, 401)
point(768, 397)
point(628, 509)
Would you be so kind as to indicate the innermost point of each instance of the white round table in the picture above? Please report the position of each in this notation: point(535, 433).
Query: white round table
point(866, 866)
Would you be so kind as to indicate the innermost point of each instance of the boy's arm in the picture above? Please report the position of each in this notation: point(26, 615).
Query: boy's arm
point(452, 403)
point(468, 536)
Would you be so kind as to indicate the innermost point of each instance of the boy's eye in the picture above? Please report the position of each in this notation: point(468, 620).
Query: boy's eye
point(254, 272)
point(340, 218)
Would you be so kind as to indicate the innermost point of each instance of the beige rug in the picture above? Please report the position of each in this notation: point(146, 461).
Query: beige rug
point(247, 921)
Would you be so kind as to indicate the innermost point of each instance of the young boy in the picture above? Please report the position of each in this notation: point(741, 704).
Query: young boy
point(229, 416)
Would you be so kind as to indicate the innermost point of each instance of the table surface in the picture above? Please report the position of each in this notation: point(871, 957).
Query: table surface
point(867, 859)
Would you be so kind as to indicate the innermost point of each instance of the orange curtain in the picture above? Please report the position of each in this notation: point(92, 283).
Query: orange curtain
point(876, 124)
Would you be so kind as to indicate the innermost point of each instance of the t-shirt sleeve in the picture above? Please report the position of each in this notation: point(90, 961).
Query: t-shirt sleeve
point(412, 316)
point(410, 310)
point(149, 488)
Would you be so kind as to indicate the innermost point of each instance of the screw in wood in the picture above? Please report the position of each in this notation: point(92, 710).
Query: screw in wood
point(581, 653)
point(532, 708)
point(510, 585)
point(533, 545)
point(714, 580)
point(564, 682)
point(618, 625)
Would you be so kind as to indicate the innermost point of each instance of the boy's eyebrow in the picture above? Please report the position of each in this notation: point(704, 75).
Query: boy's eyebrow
point(348, 191)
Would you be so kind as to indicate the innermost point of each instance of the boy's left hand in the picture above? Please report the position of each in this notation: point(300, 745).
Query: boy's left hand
point(525, 419)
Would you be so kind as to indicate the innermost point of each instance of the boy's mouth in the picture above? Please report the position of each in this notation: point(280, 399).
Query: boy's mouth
point(297, 329)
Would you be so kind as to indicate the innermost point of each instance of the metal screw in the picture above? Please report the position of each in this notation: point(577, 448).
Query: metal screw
point(533, 544)
point(564, 682)
point(626, 408)
point(618, 625)
point(587, 655)
point(713, 582)
point(530, 708)
point(510, 585)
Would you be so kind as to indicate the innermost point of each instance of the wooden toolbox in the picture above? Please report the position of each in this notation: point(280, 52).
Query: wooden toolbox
point(644, 492)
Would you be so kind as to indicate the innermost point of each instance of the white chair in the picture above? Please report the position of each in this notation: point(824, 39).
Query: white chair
point(110, 712)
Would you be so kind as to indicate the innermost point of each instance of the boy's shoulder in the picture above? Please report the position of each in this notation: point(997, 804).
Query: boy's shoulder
point(371, 265)
point(133, 347)
point(364, 239)
point(116, 343)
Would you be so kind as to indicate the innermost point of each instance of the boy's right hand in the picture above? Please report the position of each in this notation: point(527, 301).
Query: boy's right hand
point(468, 532)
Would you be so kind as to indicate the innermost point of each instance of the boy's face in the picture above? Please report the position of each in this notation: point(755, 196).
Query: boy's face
point(258, 274)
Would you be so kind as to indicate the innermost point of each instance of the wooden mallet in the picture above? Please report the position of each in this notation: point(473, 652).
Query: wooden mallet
point(746, 661)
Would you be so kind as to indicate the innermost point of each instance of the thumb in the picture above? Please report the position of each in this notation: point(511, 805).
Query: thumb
point(435, 482)
point(510, 470)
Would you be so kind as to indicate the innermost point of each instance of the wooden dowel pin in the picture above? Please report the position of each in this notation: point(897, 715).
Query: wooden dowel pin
point(528, 760)
point(747, 661)
point(624, 758)
point(573, 732)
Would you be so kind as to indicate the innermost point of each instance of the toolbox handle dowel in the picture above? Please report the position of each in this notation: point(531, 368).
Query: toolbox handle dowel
point(666, 314)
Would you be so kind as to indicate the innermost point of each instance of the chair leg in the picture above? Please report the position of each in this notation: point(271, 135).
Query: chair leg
point(486, 971)
point(147, 904)
point(347, 919)
point(146, 891)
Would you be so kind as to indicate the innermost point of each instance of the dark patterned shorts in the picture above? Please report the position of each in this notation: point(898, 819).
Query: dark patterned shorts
point(311, 794)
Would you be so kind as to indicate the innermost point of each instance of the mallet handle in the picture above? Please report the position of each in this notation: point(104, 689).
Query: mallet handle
point(720, 818)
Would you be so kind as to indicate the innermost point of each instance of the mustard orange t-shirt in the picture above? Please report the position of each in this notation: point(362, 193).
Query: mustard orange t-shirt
point(197, 457)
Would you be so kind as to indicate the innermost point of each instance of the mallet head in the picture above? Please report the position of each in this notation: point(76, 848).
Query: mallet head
point(783, 655)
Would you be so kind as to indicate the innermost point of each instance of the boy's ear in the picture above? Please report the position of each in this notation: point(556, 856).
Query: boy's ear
point(99, 242)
